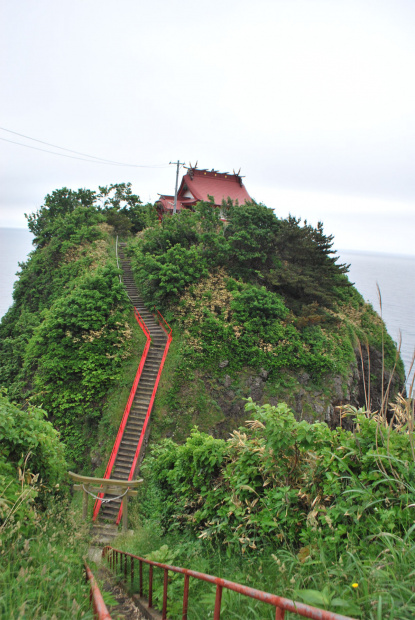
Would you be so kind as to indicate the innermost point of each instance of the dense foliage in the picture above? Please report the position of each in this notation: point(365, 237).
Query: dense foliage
point(282, 480)
point(41, 545)
point(64, 341)
point(257, 291)
point(31, 460)
point(26, 437)
point(324, 512)
point(42, 573)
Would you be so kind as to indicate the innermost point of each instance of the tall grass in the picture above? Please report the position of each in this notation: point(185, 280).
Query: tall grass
point(41, 570)
point(362, 585)
point(371, 577)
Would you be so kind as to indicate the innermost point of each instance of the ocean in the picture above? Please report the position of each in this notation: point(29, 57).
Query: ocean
point(395, 277)
point(394, 274)
point(15, 245)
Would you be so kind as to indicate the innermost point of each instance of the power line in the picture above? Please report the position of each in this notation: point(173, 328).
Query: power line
point(36, 148)
point(22, 135)
point(92, 160)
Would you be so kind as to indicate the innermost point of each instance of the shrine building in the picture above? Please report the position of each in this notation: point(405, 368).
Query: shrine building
point(200, 185)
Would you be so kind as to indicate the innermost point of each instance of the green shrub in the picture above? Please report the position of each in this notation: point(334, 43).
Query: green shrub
point(288, 481)
point(26, 433)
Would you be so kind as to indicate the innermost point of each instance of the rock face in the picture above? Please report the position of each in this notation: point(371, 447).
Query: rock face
point(306, 400)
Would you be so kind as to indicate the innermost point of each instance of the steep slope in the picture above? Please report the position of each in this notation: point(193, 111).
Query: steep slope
point(122, 468)
point(263, 309)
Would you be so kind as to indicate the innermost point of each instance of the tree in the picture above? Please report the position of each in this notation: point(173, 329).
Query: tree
point(59, 203)
point(123, 209)
point(251, 235)
point(307, 272)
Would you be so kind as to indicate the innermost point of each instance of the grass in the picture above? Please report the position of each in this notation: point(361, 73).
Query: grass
point(359, 585)
point(182, 399)
point(371, 578)
point(41, 571)
point(117, 400)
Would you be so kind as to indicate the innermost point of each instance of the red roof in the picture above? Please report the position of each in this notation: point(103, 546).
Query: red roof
point(198, 185)
point(220, 185)
point(167, 203)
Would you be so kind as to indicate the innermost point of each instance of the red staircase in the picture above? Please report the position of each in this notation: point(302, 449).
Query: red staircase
point(131, 440)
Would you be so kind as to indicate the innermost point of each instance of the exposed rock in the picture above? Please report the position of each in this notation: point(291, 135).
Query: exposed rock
point(256, 387)
point(307, 401)
point(303, 378)
point(264, 374)
point(223, 364)
point(96, 456)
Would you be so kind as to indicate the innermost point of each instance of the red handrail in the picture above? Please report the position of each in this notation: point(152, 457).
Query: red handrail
point(127, 409)
point(100, 609)
point(280, 603)
point(150, 406)
point(161, 318)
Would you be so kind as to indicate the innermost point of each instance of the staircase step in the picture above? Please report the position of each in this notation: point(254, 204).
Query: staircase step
point(122, 462)
point(126, 453)
point(131, 445)
point(145, 388)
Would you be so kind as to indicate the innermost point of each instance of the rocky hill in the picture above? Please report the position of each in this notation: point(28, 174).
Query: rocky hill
point(259, 305)
point(261, 308)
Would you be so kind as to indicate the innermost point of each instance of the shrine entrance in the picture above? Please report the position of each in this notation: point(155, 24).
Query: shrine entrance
point(97, 487)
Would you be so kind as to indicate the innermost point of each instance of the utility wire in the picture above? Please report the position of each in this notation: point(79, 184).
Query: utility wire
point(96, 159)
point(91, 161)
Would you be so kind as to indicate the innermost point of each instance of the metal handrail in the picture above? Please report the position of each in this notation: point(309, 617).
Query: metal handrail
point(281, 604)
point(118, 266)
point(163, 320)
point(99, 608)
point(116, 254)
point(127, 410)
point(147, 418)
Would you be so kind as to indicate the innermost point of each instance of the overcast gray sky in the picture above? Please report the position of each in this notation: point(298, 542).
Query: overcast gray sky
point(312, 99)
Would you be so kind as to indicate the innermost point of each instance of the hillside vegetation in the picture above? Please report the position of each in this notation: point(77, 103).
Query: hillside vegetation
point(262, 308)
point(68, 336)
point(41, 541)
point(318, 515)
point(66, 363)
point(261, 491)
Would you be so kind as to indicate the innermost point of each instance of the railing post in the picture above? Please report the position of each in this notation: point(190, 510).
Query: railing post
point(115, 558)
point(185, 597)
point(84, 504)
point(165, 582)
point(150, 587)
point(124, 505)
point(218, 601)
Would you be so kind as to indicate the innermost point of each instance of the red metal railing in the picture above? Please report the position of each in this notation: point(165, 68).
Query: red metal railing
point(168, 331)
point(118, 560)
point(126, 411)
point(166, 327)
point(100, 609)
